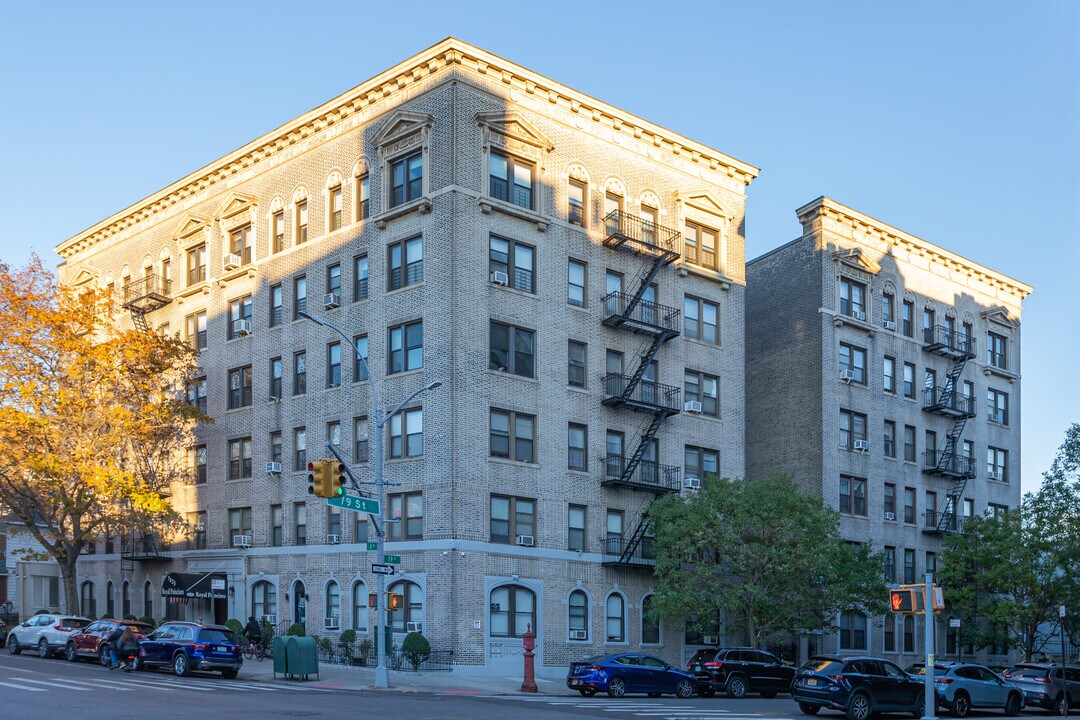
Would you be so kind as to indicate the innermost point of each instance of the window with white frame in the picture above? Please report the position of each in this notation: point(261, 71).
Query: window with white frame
point(513, 611)
point(577, 615)
point(615, 618)
point(407, 433)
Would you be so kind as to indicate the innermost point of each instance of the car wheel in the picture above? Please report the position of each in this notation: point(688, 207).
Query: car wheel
point(1012, 705)
point(706, 692)
point(859, 707)
point(229, 674)
point(736, 687)
point(769, 694)
point(139, 665)
point(587, 692)
point(809, 709)
point(103, 656)
point(43, 648)
point(920, 708)
point(1059, 705)
point(181, 666)
point(13, 645)
point(69, 653)
point(684, 689)
point(655, 694)
point(616, 687)
point(961, 705)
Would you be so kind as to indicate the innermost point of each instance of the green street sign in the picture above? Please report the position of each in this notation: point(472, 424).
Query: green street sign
point(393, 559)
point(356, 504)
point(373, 546)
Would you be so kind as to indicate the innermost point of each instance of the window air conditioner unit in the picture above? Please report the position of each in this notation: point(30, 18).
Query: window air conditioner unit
point(273, 468)
point(272, 619)
point(847, 376)
point(414, 627)
point(333, 539)
point(889, 325)
point(890, 516)
point(993, 475)
point(710, 640)
point(331, 301)
point(232, 261)
point(500, 278)
point(330, 623)
point(862, 445)
point(579, 634)
point(241, 541)
point(692, 483)
point(525, 540)
point(242, 327)
point(692, 406)
point(858, 315)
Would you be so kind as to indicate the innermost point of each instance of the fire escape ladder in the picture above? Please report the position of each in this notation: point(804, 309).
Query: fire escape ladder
point(949, 399)
point(138, 319)
point(647, 356)
point(635, 540)
point(647, 436)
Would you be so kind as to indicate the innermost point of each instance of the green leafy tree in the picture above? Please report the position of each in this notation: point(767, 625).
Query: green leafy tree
point(1008, 574)
point(766, 553)
point(416, 649)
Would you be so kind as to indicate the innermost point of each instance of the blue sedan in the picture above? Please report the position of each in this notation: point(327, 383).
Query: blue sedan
point(623, 673)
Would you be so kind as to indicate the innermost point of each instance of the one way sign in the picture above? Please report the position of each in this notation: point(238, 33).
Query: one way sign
point(380, 569)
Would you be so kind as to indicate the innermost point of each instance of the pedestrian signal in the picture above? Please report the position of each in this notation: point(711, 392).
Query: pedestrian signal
point(902, 601)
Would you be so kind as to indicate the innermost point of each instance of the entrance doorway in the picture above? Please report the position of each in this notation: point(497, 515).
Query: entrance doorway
point(299, 603)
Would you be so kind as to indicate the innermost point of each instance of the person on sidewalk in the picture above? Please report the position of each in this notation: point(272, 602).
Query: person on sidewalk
point(113, 642)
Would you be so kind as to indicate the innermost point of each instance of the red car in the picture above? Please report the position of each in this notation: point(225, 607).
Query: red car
point(90, 642)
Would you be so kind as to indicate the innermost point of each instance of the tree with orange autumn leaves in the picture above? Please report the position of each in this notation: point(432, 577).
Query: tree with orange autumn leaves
point(93, 427)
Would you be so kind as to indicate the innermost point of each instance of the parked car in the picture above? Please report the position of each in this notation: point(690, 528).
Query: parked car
point(187, 646)
point(1044, 687)
point(738, 671)
point(47, 632)
point(621, 673)
point(963, 686)
point(91, 641)
point(859, 686)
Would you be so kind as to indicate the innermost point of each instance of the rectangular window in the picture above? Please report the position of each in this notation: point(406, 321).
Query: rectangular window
point(360, 278)
point(997, 406)
point(853, 430)
point(299, 296)
point(363, 197)
point(299, 449)
point(890, 439)
point(889, 496)
point(275, 446)
point(512, 517)
point(575, 363)
point(406, 348)
point(852, 299)
point(239, 317)
point(909, 443)
point(890, 622)
point(240, 387)
point(277, 525)
point(360, 440)
point(333, 521)
point(408, 510)
point(335, 208)
point(195, 326)
point(513, 435)
point(577, 442)
point(908, 319)
point(275, 305)
point(909, 633)
point(515, 260)
point(931, 443)
point(700, 246)
point(333, 365)
point(196, 265)
point(928, 325)
point(853, 361)
point(197, 523)
point(888, 311)
point(931, 562)
point(407, 433)
point(888, 382)
point(239, 524)
point(360, 529)
point(575, 279)
point(700, 320)
point(852, 631)
point(198, 464)
point(997, 464)
point(406, 261)
point(299, 384)
point(512, 350)
point(703, 388)
point(301, 222)
point(240, 244)
point(576, 198)
point(853, 495)
point(511, 179)
point(995, 350)
point(909, 505)
point(614, 530)
point(279, 231)
point(909, 380)
point(196, 394)
point(240, 458)
point(360, 369)
point(333, 281)
point(300, 524)
point(700, 462)
point(275, 379)
point(333, 433)
point(406, 179)
point(575, 528)
point(909, 565)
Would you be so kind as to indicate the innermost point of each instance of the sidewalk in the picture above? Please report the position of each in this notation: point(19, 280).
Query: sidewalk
point(341, 677)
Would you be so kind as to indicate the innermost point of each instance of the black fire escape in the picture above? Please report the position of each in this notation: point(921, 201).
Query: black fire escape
point(146, 295)
point(139, 546)
point(949, 402)
point(639, 392)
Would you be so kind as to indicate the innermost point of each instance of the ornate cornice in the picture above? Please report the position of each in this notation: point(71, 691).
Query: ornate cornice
point(868, 227)
point(444, 56)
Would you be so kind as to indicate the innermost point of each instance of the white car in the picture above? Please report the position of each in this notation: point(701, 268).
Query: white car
point(47, 632)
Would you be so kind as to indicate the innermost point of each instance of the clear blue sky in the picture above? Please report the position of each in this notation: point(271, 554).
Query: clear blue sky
point(958, 122)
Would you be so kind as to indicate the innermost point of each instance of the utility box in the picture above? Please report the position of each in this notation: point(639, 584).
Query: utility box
point(301, 657)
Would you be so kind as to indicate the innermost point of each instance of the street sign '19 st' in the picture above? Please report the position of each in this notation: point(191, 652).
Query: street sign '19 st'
point(356, 504)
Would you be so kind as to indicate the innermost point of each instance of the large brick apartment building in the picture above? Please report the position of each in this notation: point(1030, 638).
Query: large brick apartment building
point(571, 273)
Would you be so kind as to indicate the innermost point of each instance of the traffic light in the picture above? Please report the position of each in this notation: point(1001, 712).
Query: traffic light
point(338, 479)
point(373, 600)
point(393, 601)
point(319, 481)
point(902, 601)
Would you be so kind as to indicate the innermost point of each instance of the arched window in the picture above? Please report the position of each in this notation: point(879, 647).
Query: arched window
point(148, 600)
point(299, 603)
point(264, 600)
point(86, 599)
point(650, 630)
point(412, 605)
point(359, 606)
point(513, 610)
point(616, 618)
point(109, 606)
point(578, 620)
point(125, 599)
point(333, 600)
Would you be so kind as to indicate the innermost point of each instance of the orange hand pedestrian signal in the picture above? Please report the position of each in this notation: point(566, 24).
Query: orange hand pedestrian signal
point(902, 601)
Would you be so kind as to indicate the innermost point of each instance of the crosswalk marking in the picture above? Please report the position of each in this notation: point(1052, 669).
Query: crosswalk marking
point(650, 709)
point(53, 685)
point(93, 684)
point(21, 687)
point(138, 685)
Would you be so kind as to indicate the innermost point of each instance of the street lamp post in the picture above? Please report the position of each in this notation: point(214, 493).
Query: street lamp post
point(382, 675)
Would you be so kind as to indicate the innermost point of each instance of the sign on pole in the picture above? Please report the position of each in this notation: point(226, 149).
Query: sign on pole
point(373, 546)
point(394, 559)
point(382, 569)
point(356, 504)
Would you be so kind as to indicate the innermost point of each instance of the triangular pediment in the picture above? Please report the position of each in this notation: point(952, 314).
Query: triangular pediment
point(857, 259)
point(400, 124)
point(1000, 315)
point(86, 275)
point(514, 125)
point(706, 201)
point(189, 225)
point(236, 203)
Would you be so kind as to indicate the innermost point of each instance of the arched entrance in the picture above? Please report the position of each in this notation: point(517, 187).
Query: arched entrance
point(299, 603)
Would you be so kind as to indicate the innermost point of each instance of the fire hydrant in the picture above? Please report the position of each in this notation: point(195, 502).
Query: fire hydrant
point(528, 641)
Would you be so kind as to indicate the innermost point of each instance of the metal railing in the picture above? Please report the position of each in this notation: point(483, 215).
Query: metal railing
point(643, 554)
point(951, 464)
point(645, 312)
point(648, 474)
point(620, 226)
point(150, 287)
point(646, 392)
point(944, 522)
point(948, 342)
point(949, 402)
point(142, 546)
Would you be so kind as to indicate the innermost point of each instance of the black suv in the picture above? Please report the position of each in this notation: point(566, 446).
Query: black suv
point(859, 686)
point(738, 671)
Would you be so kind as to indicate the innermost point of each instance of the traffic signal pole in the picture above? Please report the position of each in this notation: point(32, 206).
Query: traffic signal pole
point(929, 710)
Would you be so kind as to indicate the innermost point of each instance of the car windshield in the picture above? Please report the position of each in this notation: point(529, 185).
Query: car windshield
point(218, 636)
point(703, 656)
point(1027, 672)
point(824, 666)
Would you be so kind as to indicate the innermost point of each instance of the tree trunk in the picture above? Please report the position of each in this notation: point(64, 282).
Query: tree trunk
point(70, 579)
